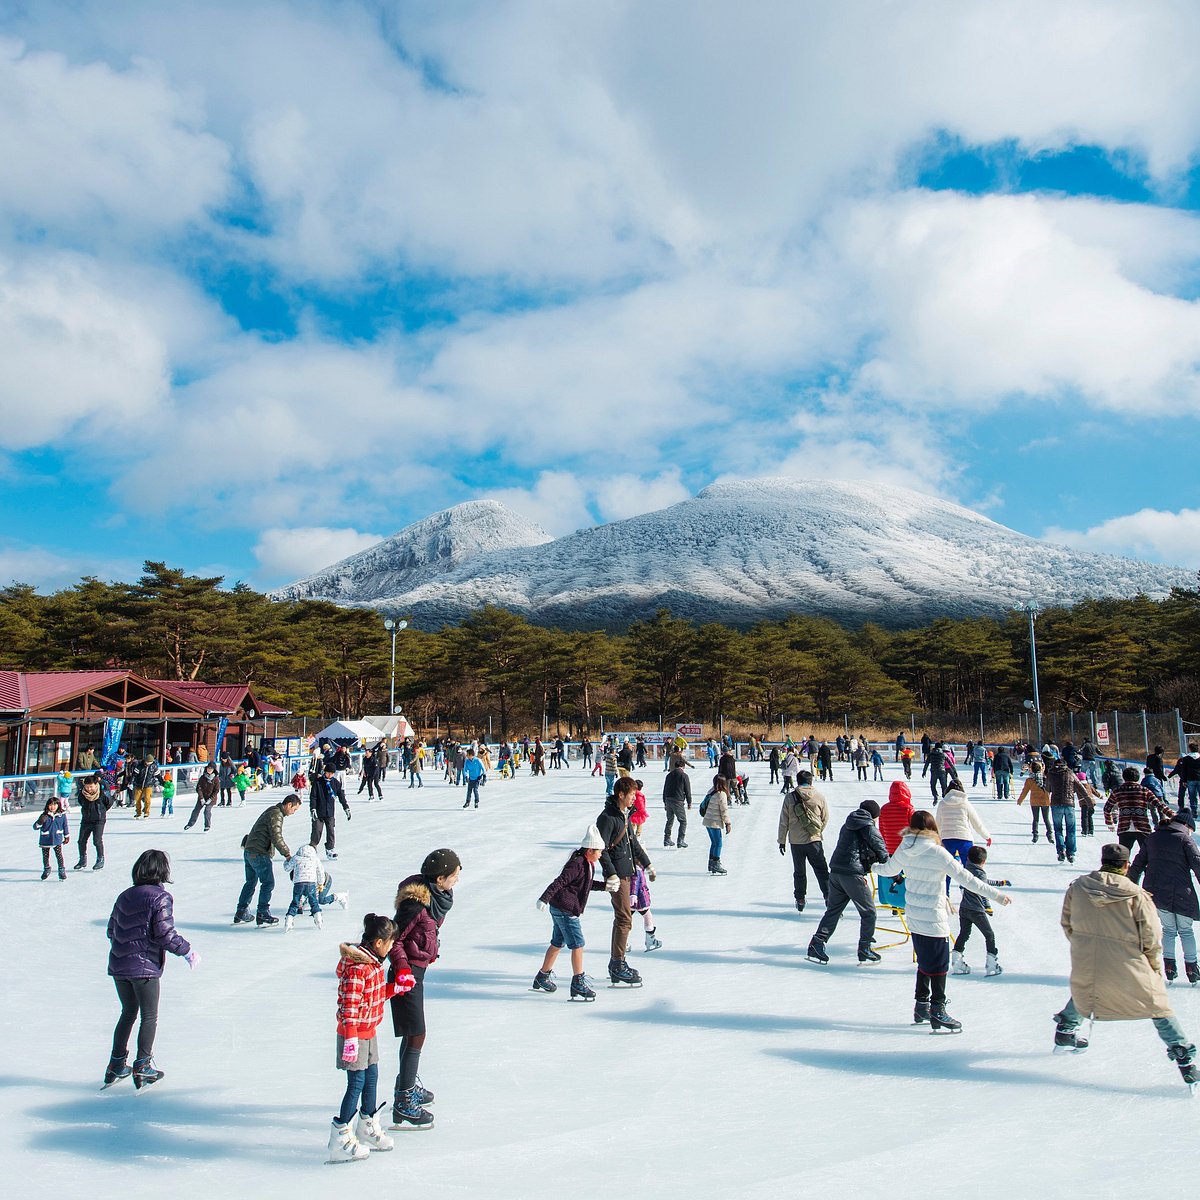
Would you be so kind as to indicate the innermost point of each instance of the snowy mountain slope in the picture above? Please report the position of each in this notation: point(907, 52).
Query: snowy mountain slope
point(742, 551)
point(439, 543)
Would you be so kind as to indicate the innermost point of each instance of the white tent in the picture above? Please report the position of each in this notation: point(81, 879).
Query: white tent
point(362, 731)
point(394, 728)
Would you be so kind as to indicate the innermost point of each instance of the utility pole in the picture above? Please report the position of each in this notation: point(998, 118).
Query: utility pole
point(393, 627)
point(1031, 609)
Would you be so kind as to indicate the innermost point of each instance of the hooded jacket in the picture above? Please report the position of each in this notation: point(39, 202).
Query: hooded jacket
point(859, 846)
point(1169, 860)
point(793, 828)
point(894, 815)
point(575, 882)
point(926, 863)
point(362, 991)
point(1116, 949)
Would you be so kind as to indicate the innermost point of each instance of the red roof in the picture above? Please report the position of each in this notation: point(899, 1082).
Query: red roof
point(45, 687)
point(216, 697)
point(13, 696)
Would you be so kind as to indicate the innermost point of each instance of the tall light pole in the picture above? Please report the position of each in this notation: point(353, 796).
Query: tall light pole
point(1031, 609)
point(394, 627)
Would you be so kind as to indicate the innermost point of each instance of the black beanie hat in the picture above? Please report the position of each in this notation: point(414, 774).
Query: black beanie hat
point(869, 806)
point(1114, 855)
point(439, 863)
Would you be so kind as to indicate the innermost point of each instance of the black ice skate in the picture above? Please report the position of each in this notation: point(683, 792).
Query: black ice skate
point(145, 1073)
point(117, 1070)
point(816, 953)
point(921, 1012)
point(581, 989)
point(1169, 970)
point(1068, 1041)
point(1184, 1055)
point(1192, 971)
point(869, 956)
point(941, 1021)
point(543, 981)
point(408, 1115)
point(620, 973)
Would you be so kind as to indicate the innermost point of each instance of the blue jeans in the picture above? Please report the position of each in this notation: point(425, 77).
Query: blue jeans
point(1002, 780)
point(360, 1092)
point(956, 848)
point(472, 790)
point(258, 872)
point(1193, 795)
point(1167, 1027)
point(980, 769)
point(1063, 816)
point(1177, 923)
point(715, 840)
point(609, 780)
point(300, 893)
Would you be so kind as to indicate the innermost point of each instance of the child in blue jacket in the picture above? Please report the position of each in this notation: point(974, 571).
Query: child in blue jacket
point(54, 834)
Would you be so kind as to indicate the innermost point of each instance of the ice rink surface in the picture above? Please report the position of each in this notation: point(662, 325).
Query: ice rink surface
point(739, 1069)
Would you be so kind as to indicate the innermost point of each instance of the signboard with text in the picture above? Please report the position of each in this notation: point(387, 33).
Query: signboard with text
point(690, 731)
point(1102, 733)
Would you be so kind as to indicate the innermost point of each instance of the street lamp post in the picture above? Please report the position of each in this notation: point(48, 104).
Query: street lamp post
point(393, 627)
point(1031, 609)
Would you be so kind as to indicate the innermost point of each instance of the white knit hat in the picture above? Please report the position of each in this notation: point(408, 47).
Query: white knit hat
point(593, 839)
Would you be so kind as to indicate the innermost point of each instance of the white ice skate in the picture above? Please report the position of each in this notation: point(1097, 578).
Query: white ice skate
point(958, 964)
point(344, 1147)
point(343, 899)
point(652, 943)
point(317, 919)
point(992, 965)
point(371, 1136)
point(288, 922)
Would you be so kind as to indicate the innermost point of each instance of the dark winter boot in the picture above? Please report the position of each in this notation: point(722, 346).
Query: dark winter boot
point(816, 952)
point(145, 1073)
point(1192, 971)
point(543, 982)
point(117, 1070)
point(1169, 970)
point(1184, 1055)
point(620, 972)
point(408, 1114)
point(940, 1019)
point(580, 990)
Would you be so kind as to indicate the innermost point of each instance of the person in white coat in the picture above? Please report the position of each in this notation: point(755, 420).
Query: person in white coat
point(960, 824)
point(926, 865)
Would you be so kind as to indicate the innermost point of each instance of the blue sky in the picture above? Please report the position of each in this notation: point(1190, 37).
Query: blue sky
point(277, 279)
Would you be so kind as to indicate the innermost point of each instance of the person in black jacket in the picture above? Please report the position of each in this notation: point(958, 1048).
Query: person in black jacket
point(94, 801)
point(370, 775)
point(621, 854)
point(773, 762)
point(1169, 859)
point(859, 847)
point(677, 799)
point(323, 795)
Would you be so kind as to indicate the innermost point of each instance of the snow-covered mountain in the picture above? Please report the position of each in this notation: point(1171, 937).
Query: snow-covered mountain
point(735, 553)
point(419, 554)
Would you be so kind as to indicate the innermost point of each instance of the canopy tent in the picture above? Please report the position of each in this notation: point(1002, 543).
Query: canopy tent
point(395, 728)
point(350, 731)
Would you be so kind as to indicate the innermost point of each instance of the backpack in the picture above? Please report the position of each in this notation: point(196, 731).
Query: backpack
point(703, 807)
point(808, 815)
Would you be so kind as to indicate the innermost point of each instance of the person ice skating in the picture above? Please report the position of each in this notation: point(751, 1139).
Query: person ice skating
point(677, 800)
point(876, 765)
point(824, 761)
point(416, 765)
point(639, 903)
point(959, 823)
point(1130, 809)
point(370, 776)
point(475, 775)
point(1064, 789)
point(621, 854)
point(323, 797)
point(54, 832)
point(259, 846)
point(925, 864)
point(790, 768)
point(140, 777)
point(774, 762)
point(1169, 860)
point(566, 897)
point(167, 779)
point(858, 756)
point(609, 761)
point(308, 878)
point(906, 760)
point(1187, 771)
point(859, 848)
point(363, 989)
point(423, 902)
point(141, 932)
point(637, 814)
point(207, 790)
point(802, 820)
point(1002, 773)
point(1039, 804)
point(94, 801)
point(978, 758)
point(714, 816)
point(895, 814)
point(225, 776)
point(241, 781)
point(63, 787)
point(973, 913)
point(1116, 961)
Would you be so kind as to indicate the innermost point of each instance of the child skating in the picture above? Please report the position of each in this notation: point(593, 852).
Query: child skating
point(973, 912)
point(639, 902)
point(308, 878)
point(363, 989)
point(53, 834)
point(566, 898)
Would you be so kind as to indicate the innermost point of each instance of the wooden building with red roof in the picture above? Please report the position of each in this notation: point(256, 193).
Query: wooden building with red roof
point(49, 718)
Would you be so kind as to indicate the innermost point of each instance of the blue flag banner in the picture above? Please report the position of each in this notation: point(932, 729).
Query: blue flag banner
point(221, 734)
point(113, 728)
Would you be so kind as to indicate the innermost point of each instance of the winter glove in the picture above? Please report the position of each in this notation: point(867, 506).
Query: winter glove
point(989, 841)
point(782, 848)
point(350, 1050)
point(612, 884)
point(191, 958)
point(728, 828)
point(346, 810)
point(651, 874)
point(542, 906)
point(66, 841)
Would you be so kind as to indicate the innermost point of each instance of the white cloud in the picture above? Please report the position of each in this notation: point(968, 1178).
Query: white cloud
point(1168, 537)
point(47, 570)
point(627, 495)
point(557, 502)
point(294, 553)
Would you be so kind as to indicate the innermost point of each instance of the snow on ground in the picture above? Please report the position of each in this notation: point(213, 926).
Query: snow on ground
point(739, 1069)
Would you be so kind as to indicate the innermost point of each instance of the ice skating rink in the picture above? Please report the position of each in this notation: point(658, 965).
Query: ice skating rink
point(739, 1069)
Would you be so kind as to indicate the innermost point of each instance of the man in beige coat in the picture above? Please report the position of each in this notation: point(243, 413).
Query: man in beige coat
point(1116, 961)
point(802, 821)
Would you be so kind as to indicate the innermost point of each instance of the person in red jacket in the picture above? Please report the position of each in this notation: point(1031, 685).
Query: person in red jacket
point(894, 815)
point(363, 990)
point(566, 897)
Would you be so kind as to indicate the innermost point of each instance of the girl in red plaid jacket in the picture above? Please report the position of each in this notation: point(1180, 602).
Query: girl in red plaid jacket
point(363, 990)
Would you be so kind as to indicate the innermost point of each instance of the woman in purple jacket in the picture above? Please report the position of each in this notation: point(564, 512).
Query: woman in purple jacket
point(566, 899)
point(141, 930)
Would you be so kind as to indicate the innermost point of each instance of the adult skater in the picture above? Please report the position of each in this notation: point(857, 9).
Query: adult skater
point(790, 768)
point(714, 815)
point(324, 795)
point(1169, 859)
point(824, 760)
point(370, 775)
point(1064, 787)
point(925, 864)
point(773, 762)
point(1116, 962)
point(959, 823)
point(1130, 808)
point(802, 820)
point(677, 799)
point(621, 854)
point(208, 788)
point(94, 801)
point(141, 930)
point(259, 846)
point(859, 847)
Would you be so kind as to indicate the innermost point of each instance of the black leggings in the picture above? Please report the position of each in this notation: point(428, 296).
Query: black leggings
point(136, 996)
point(930, 988)
point(410, 1062)
point(966, 919)
point(1044, 811)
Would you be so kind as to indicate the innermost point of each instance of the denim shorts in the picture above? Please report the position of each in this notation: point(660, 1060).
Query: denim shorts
point(567, 930)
